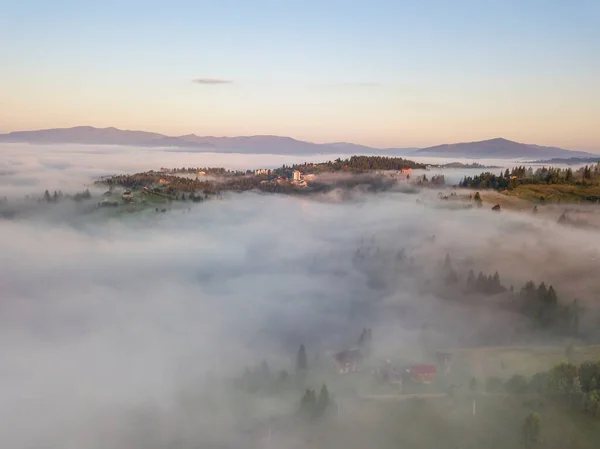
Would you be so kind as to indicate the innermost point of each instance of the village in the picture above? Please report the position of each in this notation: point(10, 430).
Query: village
point(394, 376)
point(199, 184)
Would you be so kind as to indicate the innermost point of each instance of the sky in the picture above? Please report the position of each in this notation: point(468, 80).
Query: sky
point(380, 73)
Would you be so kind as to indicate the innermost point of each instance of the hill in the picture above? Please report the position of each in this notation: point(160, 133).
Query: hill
point(499, 148)
point(191, 142)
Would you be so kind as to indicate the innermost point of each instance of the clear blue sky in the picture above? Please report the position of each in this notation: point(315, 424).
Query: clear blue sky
point(382, 73)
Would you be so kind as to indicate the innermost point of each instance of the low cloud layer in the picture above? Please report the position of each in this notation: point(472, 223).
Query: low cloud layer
point(211, 81)
point(107, 321)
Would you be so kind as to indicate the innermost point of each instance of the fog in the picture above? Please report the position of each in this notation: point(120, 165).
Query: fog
point(107, 322)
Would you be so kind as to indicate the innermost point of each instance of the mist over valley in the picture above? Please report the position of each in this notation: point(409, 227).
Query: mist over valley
point(183, 328)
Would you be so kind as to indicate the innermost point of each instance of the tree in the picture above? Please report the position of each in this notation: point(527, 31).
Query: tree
point(308, 404)
point(364, 341)
point(265, 372)
point(563, 380)
point(531, 431)
point(473, 385)
point(517, 384)
point(569, 175)
point(592, 404)
point(542, 292)
point(589, 376)
point(47, 196)
point(301, 361)
point(283, 376)
point(551, 297)
point(323, 401)
point(539, 383)
point(471, 280)
point(496, 286)
point(493, 385)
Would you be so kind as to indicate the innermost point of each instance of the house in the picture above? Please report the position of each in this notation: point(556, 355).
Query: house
point(391, 374)
point(347, 361)
point(297, 175)
point(444, 361)
point(127, 195)
point(423, 374)
point(406, 171)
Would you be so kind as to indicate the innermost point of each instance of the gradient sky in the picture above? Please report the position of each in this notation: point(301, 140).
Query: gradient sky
point(382, 73)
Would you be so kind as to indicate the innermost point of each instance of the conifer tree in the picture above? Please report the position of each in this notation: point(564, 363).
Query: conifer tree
point(301, 361)
point(471, 280)
point(323, 401)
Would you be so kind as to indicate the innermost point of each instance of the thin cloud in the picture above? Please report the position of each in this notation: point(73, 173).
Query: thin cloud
point(356, 84)
point(366, 84)
point(211, 81)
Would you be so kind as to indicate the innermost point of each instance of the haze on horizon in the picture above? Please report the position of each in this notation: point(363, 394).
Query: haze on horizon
point(374, 73)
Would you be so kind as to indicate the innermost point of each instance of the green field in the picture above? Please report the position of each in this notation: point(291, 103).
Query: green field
point(503, 362)
point(555, 193)
point(450, 423)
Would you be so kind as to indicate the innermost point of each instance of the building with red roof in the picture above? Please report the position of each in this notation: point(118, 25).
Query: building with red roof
point(423, 374)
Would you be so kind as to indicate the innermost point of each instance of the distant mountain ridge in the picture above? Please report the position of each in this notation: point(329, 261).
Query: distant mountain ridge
point(266, 144)
point(498, 148)
point(262, 144)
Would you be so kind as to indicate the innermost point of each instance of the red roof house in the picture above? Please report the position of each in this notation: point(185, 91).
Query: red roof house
point(347, 361)
point(424, 374)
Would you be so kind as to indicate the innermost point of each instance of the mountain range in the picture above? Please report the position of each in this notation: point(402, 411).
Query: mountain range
point(494, 148)
point(499, 148)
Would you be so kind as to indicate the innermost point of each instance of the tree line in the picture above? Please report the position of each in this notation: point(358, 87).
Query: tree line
point(356, 164)
point(540, 303)
point(511, 179)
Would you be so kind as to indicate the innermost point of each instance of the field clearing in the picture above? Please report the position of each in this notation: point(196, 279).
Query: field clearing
point(556, 192)
point(443, 422)
point(504, 362)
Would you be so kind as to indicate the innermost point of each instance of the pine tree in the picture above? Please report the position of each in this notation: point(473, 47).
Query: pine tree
point(301, 361)
point(542, 292)
point(308, 404)
point(551, 298)
point(473, 385)
point(47, 196)
point(481, 283)
point(496, 286)
point(471, 280)
point(323, 401)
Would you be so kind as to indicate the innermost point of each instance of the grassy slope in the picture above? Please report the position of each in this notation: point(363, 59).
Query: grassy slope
point(503, 362)
point(448, 423)
point(555, 192)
